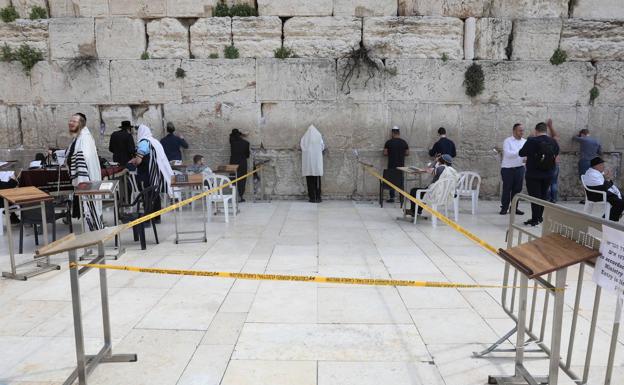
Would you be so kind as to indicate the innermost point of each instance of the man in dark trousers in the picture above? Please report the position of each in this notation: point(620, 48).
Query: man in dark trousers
point(443, 146)
point(541, 152)
point(396, 149)
point(595, 180)
point(239, 153)
point(122, 144)
point(171, 143)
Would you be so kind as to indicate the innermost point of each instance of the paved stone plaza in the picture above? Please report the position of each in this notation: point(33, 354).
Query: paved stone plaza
point(195, 330)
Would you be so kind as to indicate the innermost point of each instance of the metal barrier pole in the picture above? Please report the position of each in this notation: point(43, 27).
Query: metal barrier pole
point(614, 341)
point(555, 344)
point(80, 372)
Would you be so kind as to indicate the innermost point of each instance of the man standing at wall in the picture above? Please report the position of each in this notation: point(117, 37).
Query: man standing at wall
point(512, 168)
point(396, 149)
point(540, 151)
point(443, 146)
point(553, 191)
point(172, 143)
point(122, 144)
point(589, 149)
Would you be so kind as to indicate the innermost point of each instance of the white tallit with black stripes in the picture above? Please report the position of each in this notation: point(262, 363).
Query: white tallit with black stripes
point(84, 166)
point(160, 172)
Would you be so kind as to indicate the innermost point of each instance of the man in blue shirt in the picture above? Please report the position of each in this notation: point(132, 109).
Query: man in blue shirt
point(443, 146)
point(590, 149)
point(172, 143)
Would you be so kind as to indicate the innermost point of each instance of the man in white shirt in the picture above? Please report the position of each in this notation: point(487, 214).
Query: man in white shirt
point(595, 179)
point(512, 168)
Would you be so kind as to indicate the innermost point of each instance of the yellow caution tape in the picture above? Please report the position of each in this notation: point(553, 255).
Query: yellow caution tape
point(299, 278)
point(436, 213)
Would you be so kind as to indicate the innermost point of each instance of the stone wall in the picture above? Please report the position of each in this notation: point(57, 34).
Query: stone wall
point(117, 60)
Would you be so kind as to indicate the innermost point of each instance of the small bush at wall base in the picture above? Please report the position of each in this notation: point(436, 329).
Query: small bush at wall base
point(283, 53)
point(593, 94)
point(213, 56)
point(144, 56)
point(180, 73)
point(243, 10)
point(9, 14)
point(38, 12)
point(474, 80)
point(6, 53)
point(558, 57)
point(230, 52)
point(221, 10)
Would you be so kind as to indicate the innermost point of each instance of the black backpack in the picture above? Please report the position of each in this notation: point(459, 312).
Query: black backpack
point(545, 156)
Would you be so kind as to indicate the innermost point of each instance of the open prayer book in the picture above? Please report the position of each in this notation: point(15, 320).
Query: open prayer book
point(416, 169)
point(106, 185)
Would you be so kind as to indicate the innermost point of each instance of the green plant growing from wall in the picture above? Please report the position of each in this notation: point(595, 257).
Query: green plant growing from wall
point(6, 53)
point(243, 10)
point(230, 52)
point(38, 12)
point(593, 94)
point(444, 57)
point(283, 53)
point(474, 80)
point(558, 57)
point(180, 73)
point(145, 55)
point(9, 14)
point(213, 55)
point(359, 61)
point(25, 54)
point(221, 10)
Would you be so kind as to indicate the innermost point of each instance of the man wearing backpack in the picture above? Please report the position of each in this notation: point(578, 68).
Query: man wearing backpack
point(541, 151)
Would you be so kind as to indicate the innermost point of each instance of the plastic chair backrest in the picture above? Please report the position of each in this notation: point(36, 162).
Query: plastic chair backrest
point(467, 180)
point(586, 189)
point(448, 189)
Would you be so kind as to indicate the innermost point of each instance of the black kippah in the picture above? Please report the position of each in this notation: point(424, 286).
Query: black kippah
point(81, 115)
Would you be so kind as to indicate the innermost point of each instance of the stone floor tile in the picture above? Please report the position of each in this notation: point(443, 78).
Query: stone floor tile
point(375, 373)
point(256, 372)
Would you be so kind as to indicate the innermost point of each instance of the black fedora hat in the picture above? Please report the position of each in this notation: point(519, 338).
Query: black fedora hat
point(125, 124)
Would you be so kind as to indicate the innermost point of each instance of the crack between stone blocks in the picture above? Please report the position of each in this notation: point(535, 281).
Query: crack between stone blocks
point(19, 126)
point(147, 35)
point(509, 48)
point(571, 5)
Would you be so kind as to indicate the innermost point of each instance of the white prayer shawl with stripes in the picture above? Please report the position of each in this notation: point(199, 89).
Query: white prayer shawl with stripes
point(84, 166)
point(160, 172)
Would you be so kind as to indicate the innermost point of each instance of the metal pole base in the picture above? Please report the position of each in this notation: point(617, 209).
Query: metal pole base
point(41, 268)
point(523, 377)
point(95, 360)
point(89, 255)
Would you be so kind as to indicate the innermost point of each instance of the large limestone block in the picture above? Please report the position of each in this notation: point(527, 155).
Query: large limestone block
point(295, 7)
point(605, 122)
point(210, 36)
point(454, 8)
point(9, 127)
point(168, 39)
point(24, 7)
point(599, 9)
point(361, 83)
point(414, 37)
point(23, 31)
point(362, 8)
point(88, 8)
point(145, 81)
point(112, 116)
point(62, 8)
point(207, 125)
point(112, 36)
point(15, 85)
point(427, 81)
point(535, 39)
point(226, 80)
point(295, 79)
point(535, 83)
point(190, 8)
point(256, 36)
point(138, 8)
point(71, 81)
point(492, 38)
point(470, 35)
point(322, 36)
point(593, 40)
point(5, 3)
point(610, 82)
point(72, 38)
point(518, 9)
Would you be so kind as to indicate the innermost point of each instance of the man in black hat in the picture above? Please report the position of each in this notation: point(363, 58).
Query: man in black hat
point(595, 179)
point(122, 144)
point(396, 149)
point(239, 153)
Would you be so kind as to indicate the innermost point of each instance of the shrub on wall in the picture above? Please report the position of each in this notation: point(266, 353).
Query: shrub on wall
point(283, 53)
point(6, 53)
point(9, 14)
point(144, 56)
point(180, 73)
point(221, 10)
point(241, 10)
point(474, 80)
point(213, 55)
point(558, 57)
point(25, 54)
point(230, 52)
point(38, 12)
point(593, 94)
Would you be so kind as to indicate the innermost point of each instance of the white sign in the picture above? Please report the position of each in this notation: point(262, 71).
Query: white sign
point(609, 270)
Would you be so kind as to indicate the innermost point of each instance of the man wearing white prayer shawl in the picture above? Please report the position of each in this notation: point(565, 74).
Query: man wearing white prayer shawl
point(84, 166)
point(153, 168)
point(312, 148)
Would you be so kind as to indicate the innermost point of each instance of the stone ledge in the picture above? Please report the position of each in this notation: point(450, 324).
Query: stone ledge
point(322, 36)
point(593, 40)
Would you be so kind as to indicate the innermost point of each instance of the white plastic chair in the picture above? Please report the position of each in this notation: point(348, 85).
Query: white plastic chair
point(468, 186)
point(219, 196)
point(448, 188)
point(589, 205)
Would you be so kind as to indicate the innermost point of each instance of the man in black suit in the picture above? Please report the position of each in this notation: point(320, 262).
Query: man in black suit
point(122, 144)
point(443, 146)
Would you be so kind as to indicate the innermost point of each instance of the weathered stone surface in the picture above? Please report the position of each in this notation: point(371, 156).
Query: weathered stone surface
point(207, 125)
point(362, 8)
point(599, 9)
point(518, 9)
point(34, 33)
point(210, 36)
point(5, 3)
point(24, 7)
point(190, 8)
point(607, 123)
point(537, 83)
point(10, 134)
point(414, 37)
point(470, 35)
point(593, 40)
point(15, 84)
point(322, 36)
point(296, 79)
point(295, 8)
point(427, 80)
point(150, 115)
point(535, 39)
point(119, 38)
point(68, 81)
point(256, 36)
point(610, 82)
point(138, 8)
point(62, 8)
point(492, 38)
point(226, 80)
point(89, 8)
point(72, 38)
point(454, 8)
point(358, 84)
point(145, 81)
point(168, 39)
